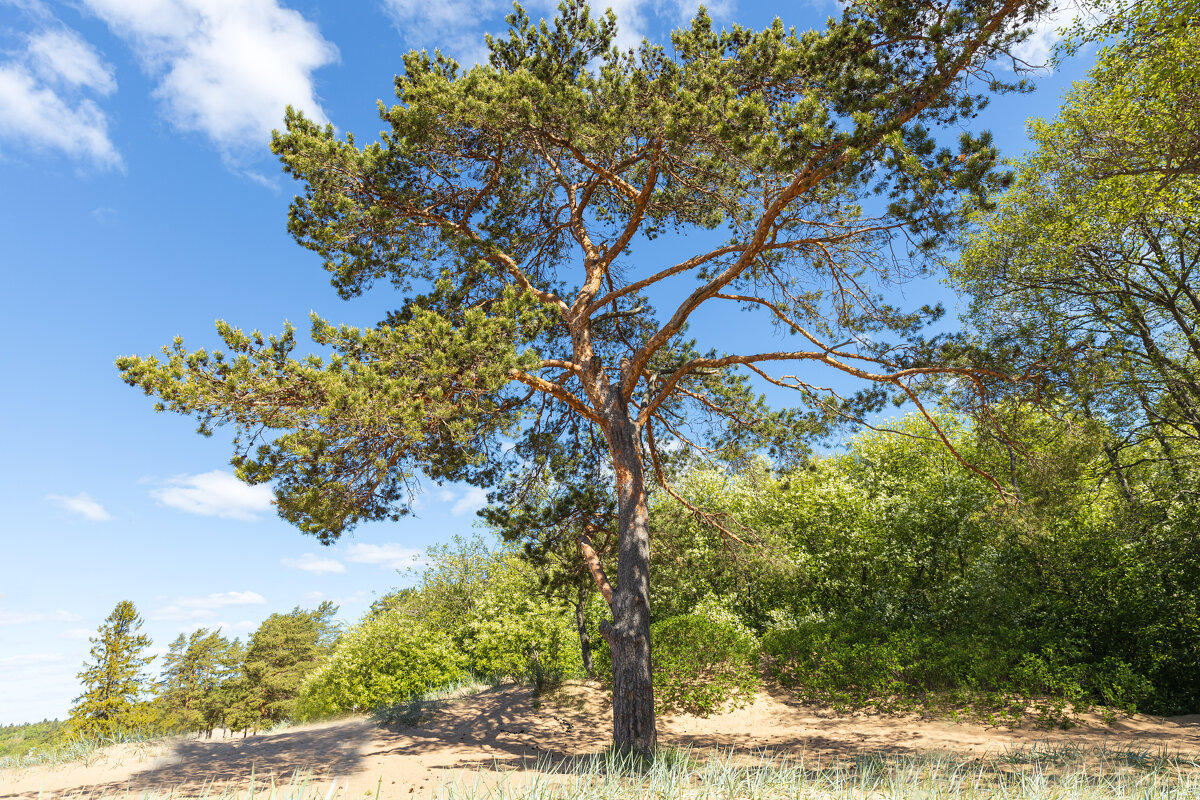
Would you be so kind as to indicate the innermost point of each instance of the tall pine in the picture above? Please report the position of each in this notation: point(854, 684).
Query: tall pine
point(113, 681)
point(194, 671)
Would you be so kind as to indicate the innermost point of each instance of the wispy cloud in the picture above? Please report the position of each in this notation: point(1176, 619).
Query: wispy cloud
point(203, 607)
point(1039, 47)
point(456, 27)
point(314, 563)
point(392, 555)
point(47, 91)
point(82, 504)
point(62, 56)
point(225, 69)
point(17, 618)
point(31, 658)
point(215, 494)
point(76, 633)
point(472, 499)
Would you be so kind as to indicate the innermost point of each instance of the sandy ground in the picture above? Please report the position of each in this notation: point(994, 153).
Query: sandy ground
point(509, 730)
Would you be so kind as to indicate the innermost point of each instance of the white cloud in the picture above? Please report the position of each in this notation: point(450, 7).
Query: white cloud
point(76, 633)
point(313, 563)
point(62, 56)
point(473, 499)
point(226, 68)
point(452, 26)
point(456, 27)
point(197, 609)
point(30, 658)
point(392, 556)
point(39, 117)
point(1037, 49)
point(11, 618)
point(215, 494)
point(82, 503)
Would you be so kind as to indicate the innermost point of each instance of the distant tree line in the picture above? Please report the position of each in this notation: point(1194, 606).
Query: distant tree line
point(206, 681)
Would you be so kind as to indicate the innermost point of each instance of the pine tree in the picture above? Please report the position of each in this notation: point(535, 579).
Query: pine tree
point(280, 654)
point(194, 670)
point(113, 680)
point(512, 206)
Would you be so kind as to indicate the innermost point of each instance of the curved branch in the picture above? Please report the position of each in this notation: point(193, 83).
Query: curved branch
point(557, 392)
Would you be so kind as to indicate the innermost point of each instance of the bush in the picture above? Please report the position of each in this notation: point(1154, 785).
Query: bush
point(703, 661)
point(383, 660)
point(512, 632)
point(852, 663)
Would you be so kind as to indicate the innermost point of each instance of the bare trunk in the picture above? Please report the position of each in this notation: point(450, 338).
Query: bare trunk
point(629, 634)
point(585, 642)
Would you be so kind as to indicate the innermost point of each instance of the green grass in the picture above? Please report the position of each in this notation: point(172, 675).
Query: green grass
point(1036, 772)
point(74, 748)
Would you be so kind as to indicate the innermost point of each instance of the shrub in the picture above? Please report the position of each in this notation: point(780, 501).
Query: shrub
point(703, 661)
point(849, 664)
point(510, 632)
point(382, 660)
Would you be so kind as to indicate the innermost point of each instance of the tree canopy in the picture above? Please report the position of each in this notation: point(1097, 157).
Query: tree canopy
point(506, 203)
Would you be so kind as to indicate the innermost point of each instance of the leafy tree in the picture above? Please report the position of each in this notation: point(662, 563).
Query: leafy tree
point(1088, 267)
point(113, 681)
point(279, 656)
point(704, 661)
point(387, 658)
point(508, 202)
point(566, 514)
point(486, 600)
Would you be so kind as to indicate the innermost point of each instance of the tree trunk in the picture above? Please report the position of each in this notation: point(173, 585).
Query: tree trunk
point(585, 643)
point(629, 634)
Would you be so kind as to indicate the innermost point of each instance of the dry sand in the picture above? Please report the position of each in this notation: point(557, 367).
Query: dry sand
point(508, 729)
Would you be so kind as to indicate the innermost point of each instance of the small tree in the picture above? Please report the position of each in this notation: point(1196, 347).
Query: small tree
point(508, 201)
point(113, 681)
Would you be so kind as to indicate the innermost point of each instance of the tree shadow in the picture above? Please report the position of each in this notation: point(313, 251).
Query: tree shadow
point(317, 753)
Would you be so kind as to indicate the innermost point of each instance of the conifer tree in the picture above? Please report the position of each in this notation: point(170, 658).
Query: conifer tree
point(798, 173)
point(194, 670)
point(279, 655)
point(113, 681)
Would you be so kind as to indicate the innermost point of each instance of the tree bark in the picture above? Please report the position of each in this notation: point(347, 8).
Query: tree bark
point(585, 642)
point(629, 634)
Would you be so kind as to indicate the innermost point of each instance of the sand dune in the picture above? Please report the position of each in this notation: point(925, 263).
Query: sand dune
point(506, 731)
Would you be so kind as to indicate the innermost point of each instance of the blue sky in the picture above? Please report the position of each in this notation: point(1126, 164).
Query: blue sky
point(140, 202)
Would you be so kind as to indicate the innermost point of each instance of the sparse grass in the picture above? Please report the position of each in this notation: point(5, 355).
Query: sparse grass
point(76, 748)
point(1037, 772)
point(421, 708)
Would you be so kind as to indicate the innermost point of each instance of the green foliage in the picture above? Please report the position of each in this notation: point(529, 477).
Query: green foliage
point(384, 660)
point(114, 685)
point(197, 678)
point(18, 740)
point(488, 601)
point(704, 661)
point(891, 576)
point(1084, 271)
point(514, 631)
point(279, 656)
